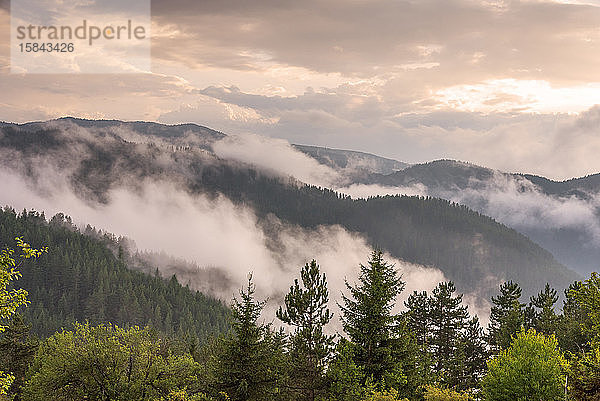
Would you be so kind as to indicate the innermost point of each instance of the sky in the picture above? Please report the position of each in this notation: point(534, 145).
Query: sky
point(512, 85)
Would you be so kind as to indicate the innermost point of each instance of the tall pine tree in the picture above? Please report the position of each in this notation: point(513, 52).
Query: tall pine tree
point(506, 317)
point(448, 318)
point(368, 320)
point(418, 321)
point(248, 367)
point(472, 355)
point(574, 326)
point(545, 319)
point(306, 310)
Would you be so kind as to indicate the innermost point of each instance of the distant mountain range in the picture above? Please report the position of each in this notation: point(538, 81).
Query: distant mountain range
point(569, 226)
point(456, 175)
point(351, 163)
point(469, 248)
point(562, 216)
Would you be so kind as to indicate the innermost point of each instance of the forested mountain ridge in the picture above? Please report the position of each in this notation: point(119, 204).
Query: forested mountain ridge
point(561, 216)
point(355, 163)
point(471, 249)
point(81, 279)
point(453, 174)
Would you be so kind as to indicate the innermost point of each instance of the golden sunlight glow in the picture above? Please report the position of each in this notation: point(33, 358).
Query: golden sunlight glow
point(510, 95)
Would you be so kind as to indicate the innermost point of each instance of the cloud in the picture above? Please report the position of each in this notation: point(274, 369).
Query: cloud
point(276, 156)
point(396, 84)
point(477, 39)
point(518, 203)
point(212, 233)
point(556, 145)
point(365, 191)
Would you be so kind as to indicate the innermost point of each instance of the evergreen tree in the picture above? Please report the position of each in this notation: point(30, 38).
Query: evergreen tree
point(506, 317)
point(17, 349)
point(545, 319)
point(418, 318)
point(448, 318)
point(471, 356)
point(248, 366)
point(368, 320)
point(345, 378)
point(574, 327)
point(418, 321)
point(306, 310)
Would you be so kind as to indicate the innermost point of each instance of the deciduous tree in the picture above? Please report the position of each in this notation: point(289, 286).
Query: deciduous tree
point(531, 369)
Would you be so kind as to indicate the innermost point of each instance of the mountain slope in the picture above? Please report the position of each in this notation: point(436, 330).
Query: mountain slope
point(471, 249)
point(81, 279)
point(561, 216)
point(351, 162)
point(452, 174)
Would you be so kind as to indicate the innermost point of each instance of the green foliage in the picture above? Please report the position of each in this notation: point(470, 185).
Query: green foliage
point(12, 298)
point(448, 318)
point(444, 394)
point(182, 395)
point(418, 322)
point(584, 301)
point(584, 380)
point(574, 326)
point(531, 369)
point(250, 362)
point(306, 310)
point(388, 395)
point(545, 319)
point(344, 376)
point(17, 349)
point(451, 350)
point(368, 320)
point(471, 357)
point(107, 362)
point(588, 297)
point(506, 317)
point(81, 279)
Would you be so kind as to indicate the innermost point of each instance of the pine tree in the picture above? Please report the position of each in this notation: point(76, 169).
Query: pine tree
point(17, 349)
point(574, 327)
point(472, 356)
point(306, 310)
point(506, 317)
point(368, 320)
point(418, 321)
point(247, 368)
point(545, 320)
point(418, 317)
point(448, 318)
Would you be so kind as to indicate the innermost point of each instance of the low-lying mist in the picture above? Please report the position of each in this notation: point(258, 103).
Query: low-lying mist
point(212, 233)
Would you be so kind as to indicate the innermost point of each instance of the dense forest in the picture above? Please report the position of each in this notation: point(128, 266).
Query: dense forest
point(435, 349)
point(83, 277)
point(468, 247)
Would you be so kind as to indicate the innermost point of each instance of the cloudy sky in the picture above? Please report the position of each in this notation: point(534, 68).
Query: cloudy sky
point(508, 84)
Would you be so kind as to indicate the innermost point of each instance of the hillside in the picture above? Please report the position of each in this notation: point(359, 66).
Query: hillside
point(452, 174)
point(81, 279)
point(471, 249)
point(353, 164)
point(561, 216)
